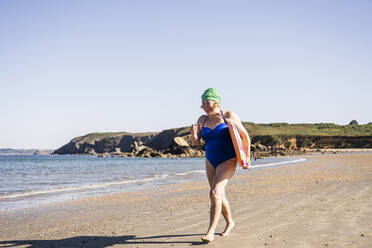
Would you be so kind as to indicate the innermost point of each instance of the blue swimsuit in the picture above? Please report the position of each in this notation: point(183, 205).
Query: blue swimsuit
point(218, 144)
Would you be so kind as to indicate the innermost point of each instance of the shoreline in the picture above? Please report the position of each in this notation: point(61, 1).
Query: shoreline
point(271, 152)
point(312, 204)
point(27, 199)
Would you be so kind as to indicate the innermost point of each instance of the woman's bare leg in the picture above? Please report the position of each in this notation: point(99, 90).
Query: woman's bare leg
point(226, 212)
point(218, 181)
point(211, 171)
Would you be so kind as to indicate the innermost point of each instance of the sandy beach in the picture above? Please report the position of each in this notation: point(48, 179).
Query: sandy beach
point(323, 202)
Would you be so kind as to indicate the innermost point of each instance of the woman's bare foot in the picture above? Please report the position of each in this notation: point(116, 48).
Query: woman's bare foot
point(228, 228)
point(208, 237)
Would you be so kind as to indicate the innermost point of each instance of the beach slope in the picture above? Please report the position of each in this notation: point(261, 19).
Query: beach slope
point(323, 202)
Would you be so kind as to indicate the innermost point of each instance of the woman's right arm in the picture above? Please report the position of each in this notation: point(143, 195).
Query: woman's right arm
point(195, 130)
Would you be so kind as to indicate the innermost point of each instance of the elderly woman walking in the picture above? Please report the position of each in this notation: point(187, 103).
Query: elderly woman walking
point(220, 163)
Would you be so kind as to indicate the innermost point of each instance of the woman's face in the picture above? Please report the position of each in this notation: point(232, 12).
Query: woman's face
point(208, 106)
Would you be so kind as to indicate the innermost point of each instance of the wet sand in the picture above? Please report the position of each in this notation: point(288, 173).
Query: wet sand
point(323, 202)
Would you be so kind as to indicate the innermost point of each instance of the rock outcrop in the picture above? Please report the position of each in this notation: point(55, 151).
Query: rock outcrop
point(105, 143)
point(353, 122)
point(177, 143)
point(168, 143)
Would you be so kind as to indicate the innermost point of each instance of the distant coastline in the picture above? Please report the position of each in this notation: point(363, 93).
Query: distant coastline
point(11, 151)
point(275, 139)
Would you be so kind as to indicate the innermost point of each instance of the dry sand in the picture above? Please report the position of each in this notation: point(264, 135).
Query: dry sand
point(323, 202)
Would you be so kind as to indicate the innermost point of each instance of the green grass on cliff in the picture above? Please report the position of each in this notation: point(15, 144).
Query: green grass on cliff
point(272, 129)
point(320, 129)
point(96, 136)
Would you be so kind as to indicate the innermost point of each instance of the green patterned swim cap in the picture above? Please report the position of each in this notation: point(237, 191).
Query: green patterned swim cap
point(211, 94)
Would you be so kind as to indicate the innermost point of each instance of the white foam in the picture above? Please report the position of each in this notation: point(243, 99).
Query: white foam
point(278, 163)
point(91, 186)
point(180, 174)
point(161, 175)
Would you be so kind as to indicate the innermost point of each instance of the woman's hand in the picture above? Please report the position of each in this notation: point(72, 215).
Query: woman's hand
point(248, 152)
point(229, 121)
point(194, 133)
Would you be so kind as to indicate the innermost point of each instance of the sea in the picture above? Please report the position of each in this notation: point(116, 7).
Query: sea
point(27, 181)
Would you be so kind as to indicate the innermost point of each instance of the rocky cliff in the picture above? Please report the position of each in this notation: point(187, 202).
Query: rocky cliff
point(267, 140)
point(168, 143)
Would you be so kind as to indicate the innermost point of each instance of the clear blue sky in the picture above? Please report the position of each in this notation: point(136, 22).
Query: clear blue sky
point(68, 68)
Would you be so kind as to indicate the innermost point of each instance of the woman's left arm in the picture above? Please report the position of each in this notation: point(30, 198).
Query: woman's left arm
point(231, 116)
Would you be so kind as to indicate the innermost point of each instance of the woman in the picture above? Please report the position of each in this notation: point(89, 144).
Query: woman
point(220, 156)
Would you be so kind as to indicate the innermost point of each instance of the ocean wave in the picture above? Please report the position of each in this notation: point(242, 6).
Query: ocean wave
point(181, 174)
point(82, 187)
point(278, 163)
point(123, 181)
point(185, 173)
